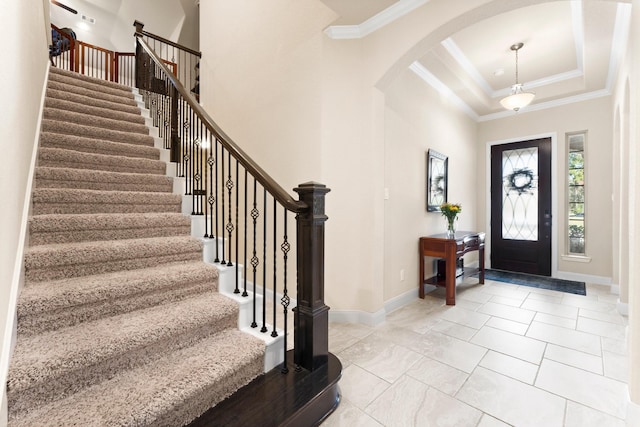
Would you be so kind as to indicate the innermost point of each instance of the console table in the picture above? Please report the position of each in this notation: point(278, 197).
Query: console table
point(450, 248)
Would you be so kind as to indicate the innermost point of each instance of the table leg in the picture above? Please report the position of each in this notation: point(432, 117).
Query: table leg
point(421, 278)
point(481, 256)
point(450, 280)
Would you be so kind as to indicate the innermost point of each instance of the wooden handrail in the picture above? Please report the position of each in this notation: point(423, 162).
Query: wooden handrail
point(140, 32)
point(279, 193)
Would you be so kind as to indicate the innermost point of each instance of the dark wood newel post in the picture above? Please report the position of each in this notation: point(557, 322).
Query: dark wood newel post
point(312, 318)
point(139, 26)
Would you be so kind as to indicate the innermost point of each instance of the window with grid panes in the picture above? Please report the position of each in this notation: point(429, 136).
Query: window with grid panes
point(576, 193)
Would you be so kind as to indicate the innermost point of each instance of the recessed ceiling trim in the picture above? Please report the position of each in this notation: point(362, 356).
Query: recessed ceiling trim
point(549, 104)
point(466, 65)
point(443, 89)
point(390, 14)
point(619, 41)
point(542, 82)
point(475, 75)
point(578, 32)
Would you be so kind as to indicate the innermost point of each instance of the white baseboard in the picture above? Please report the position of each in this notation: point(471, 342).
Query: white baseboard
point(587, 278)
point(357, 316)
point(623, 308)
point(4, 414)
point(633, 414)
point(615, 289)
point(401, 300)
point(373, 319)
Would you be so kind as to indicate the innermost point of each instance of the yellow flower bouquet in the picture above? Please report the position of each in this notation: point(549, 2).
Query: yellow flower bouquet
point(451, 211)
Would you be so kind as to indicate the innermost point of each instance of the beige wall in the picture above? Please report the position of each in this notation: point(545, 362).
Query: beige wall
point(282, 89)
point(634, 220)
point(417, 119)
point(595, 117)
point(22, 84)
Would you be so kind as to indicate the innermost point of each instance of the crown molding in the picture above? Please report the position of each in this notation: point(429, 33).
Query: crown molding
point(390, 14)
point(619, 41)
point(549, 104)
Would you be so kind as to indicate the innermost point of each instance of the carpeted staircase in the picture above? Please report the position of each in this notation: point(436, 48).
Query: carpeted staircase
point(119, 321)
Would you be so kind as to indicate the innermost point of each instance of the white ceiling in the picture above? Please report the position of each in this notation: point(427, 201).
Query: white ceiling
point(571, 51)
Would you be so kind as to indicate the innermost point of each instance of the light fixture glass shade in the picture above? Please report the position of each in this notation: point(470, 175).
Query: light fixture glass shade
point(518, 98)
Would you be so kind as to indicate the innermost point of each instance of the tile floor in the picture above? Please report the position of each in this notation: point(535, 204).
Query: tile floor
point(504, 355)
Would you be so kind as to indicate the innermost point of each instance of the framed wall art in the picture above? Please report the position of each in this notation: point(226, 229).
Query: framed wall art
point(437, 174)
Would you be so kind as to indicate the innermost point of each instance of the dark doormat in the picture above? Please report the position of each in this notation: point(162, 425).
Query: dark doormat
point(533, 281)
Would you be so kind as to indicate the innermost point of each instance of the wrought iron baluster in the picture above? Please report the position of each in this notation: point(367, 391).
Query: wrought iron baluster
point(222, 261)
point(274, 333)
point(285, 300)
point(211, 199)
point(244, 262)
point(264, 263)
point(215, 213)
point(254, 259)
point(230, 227)
point(237, 290)
point(197, 176)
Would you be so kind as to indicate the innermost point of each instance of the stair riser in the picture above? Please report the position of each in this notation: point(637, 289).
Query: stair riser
point(65, 208)
point(69, 105)
point(80, 79)
point(102, 86)
point(66, 128)
point(125, 100)
point(40, 322)
point(106, 186)
point(96, 146)
point(74, 380)
point(50, 229)
point(159, 402)
point(109, 166)
point(89, 101)
point(89, 120)
point(70, 236)
point(55, 272)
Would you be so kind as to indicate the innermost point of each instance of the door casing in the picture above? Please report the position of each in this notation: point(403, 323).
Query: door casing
point(554, 195)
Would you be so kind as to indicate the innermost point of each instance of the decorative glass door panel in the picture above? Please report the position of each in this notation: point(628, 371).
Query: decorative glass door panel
point(520, 194)
point(521, 206)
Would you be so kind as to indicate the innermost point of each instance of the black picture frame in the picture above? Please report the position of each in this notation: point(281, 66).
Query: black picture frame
point(437, 180)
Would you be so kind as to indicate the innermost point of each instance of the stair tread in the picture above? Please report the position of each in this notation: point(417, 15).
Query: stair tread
point(97, 94)
point(57, 126)
point(68, 105)
point(47, 356)
point(90, 101)
point(83, 78)
point(97, 146)
point(99, 90)
point(70, 174)
point(80, 196)
point(157, 393)
point(94, 121)
point(95, 251)
point(66, 228)
point(78, 259)
point(79, 290)
point(62, 222)
point(98, 160)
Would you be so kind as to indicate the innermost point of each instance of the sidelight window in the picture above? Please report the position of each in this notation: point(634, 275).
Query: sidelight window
point(576, 193)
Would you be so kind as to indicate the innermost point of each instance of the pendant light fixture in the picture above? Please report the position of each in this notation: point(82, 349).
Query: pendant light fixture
point(518, 98)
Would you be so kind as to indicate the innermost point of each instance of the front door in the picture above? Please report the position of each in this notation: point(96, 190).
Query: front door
point(521, 207)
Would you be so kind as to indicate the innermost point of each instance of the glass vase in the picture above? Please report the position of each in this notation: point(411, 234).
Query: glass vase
point(451, 228)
